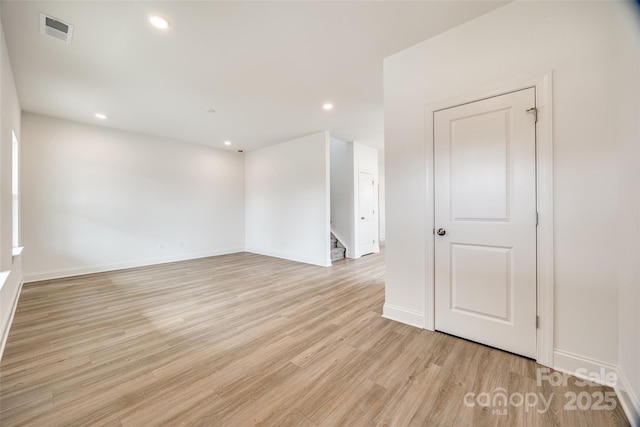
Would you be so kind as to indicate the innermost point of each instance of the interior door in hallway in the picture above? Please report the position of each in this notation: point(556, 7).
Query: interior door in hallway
point(366, 210)
point(485, 221)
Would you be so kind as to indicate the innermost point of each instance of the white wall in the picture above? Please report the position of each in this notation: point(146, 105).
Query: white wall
point(627, 125)
point(287, 200)
point(98, 199)
point(575, 40)
point(365, 160)
point(382, 197)
point(10, 121)
point(342, 190)
point(10, 266)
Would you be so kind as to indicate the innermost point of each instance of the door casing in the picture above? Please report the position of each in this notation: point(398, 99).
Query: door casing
point(544, 189)
point(369, 247)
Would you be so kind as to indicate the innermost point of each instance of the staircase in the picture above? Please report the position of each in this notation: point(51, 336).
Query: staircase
point(337, 249)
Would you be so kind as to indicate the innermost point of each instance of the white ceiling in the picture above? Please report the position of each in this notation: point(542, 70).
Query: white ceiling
point(265, 67)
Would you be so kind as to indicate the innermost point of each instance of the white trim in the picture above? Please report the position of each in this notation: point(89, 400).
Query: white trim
point(14, 305)
point(628, 399)
point(544, 170)
point(577, 365)
point(322, 262)
point(57, 274)
point(327, 201)
point(357, 252)
point(403, 315)
point(601, 373)
point(4, 275)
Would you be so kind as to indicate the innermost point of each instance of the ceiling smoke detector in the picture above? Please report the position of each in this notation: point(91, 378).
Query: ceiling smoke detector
point(53, 27)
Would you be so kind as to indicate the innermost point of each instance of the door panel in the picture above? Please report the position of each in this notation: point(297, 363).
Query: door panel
point(367, 224)
point(479, 172)
point(485, 201)
point(481, 281)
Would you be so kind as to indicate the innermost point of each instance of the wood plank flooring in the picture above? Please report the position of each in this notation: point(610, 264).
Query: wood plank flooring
point(245, 339)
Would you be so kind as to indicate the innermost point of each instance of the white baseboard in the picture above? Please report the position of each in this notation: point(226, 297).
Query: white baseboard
point(326, 262)
point(356, 255)
point(628, 399)
point(36, 277)
point(581, 367)
point(7, 324)
point(601, 373)
point(403, 315)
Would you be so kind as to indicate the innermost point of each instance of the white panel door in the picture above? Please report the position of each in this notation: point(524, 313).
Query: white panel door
point(366, 210)
point(485, 222)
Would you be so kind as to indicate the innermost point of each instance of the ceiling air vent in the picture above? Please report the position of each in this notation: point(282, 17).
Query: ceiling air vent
point(55, 28)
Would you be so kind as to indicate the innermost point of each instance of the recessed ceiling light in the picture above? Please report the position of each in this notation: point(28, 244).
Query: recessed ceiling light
point(328, 106)
point(159, 22)
point(227, 143)
point(100, 116)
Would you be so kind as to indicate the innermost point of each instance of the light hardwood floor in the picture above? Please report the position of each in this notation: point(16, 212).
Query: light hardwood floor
point(244, 339)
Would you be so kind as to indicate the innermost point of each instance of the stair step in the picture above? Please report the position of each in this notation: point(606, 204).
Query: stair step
point(337, 253)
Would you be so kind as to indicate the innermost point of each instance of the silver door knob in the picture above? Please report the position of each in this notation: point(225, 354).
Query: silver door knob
point(441, 232)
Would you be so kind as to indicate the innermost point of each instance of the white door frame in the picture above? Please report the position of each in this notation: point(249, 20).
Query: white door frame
point(356, 205)
point(544, 192)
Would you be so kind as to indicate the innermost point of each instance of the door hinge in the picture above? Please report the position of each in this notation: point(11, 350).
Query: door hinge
point(537, 219)
point(537, 321)
point(534, 110)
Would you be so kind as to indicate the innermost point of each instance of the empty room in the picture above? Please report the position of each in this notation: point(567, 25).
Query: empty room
point(320, 213)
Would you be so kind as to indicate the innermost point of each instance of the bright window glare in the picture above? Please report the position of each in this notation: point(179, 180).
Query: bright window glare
point(15, 201)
